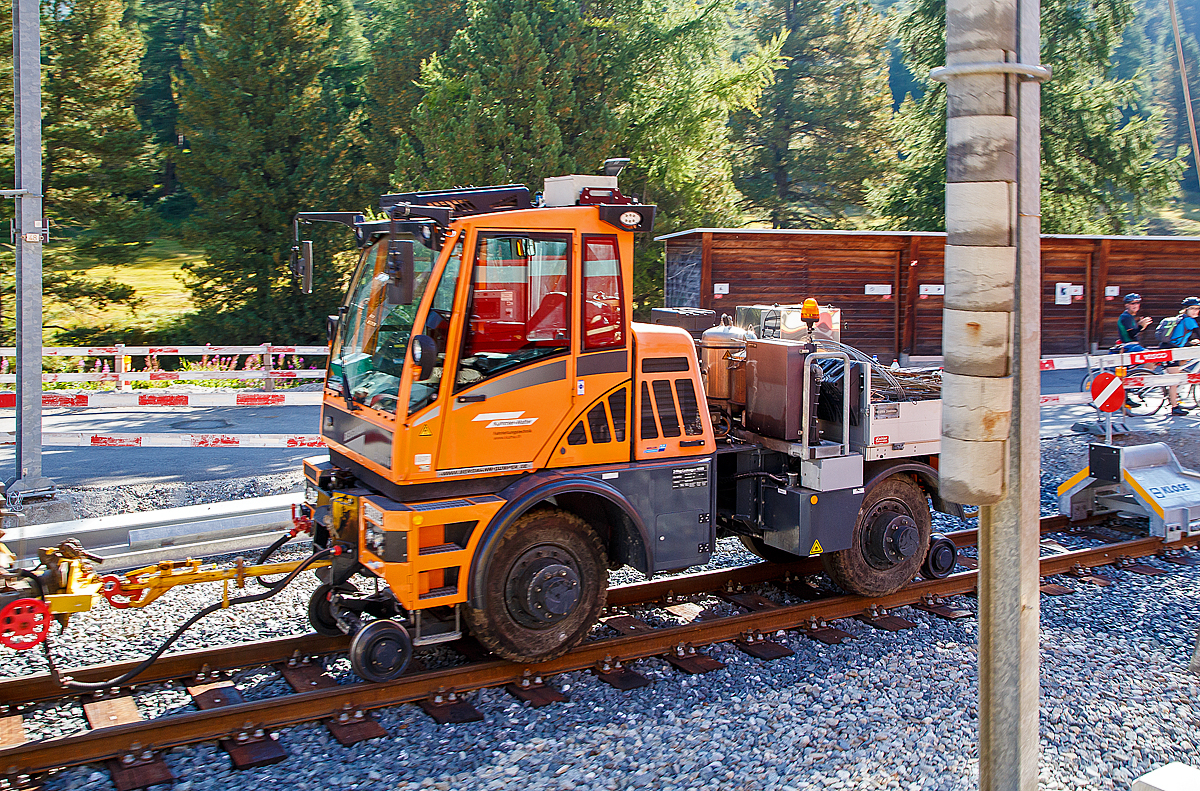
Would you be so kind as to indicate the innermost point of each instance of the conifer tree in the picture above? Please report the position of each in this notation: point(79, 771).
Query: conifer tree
point(169, 26)
point(820, 133)
point(1100, 167)
point(403, 34)
point(98, 161)
point(518, 94)
point(264, 139)
point(528, 90)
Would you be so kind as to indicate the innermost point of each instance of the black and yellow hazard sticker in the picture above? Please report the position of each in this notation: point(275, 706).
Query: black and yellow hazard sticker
point(816, 548)
point(426, 431)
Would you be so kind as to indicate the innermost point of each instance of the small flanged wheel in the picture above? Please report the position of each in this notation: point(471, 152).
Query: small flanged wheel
point(756, 546)
point(24, 624)
point(380, 650)
point(940, 559)
point(320, 613)
point(544, 587)
point(889, 541)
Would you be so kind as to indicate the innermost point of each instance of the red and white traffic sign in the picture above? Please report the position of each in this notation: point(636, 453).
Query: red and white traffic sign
point(1108, 392)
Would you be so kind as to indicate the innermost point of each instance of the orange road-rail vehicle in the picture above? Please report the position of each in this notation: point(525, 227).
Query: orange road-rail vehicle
point(501, 433)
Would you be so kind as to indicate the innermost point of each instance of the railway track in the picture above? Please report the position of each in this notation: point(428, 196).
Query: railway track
point(245, 727)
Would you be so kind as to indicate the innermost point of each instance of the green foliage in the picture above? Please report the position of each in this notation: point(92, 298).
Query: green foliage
point(528, 90)
point(1100, 166)
point(268, 134)
point(97, 159)
point(403, 34)
point(62, 288)
point(820, 132)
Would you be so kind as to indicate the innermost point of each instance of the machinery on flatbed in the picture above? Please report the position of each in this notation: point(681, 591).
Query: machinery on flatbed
point(501, 434)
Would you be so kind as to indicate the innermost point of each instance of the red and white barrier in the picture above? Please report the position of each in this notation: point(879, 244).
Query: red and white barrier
point(173, 376)
point(1149, 357)
point(88, 439)
point(142, 351)
point(160, 398)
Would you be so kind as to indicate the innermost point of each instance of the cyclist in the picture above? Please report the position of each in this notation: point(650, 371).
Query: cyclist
point(1129, 325)
point(1185, 332)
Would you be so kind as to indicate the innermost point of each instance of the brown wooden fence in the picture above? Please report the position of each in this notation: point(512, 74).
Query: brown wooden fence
point(841, 267)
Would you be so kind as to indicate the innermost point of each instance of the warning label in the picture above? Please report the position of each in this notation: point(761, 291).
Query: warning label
point(816, 549)
point(689, 477)
point(426, 431)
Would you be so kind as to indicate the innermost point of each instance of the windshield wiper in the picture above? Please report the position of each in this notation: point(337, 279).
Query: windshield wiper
point(346, 394)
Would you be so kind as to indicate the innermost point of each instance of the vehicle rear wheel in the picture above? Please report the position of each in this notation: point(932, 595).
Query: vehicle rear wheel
point(891, 536)
point(543, 589)
point(757, 546)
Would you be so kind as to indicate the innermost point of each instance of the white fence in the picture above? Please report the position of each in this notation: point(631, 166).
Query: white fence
point(120, 377)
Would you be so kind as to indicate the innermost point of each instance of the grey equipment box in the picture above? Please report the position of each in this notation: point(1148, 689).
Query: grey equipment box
point(806, 522)
point(774, 388)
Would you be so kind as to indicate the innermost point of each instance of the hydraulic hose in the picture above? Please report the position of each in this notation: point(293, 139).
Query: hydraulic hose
point(266, 555)
point(129, 676)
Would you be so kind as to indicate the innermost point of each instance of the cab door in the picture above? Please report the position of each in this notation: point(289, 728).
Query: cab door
point(514, 374)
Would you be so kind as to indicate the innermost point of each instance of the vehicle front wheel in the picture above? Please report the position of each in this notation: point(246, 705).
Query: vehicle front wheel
point(891, 536)
point(543, 588)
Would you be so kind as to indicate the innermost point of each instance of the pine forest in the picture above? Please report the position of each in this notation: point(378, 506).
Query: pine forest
point(202, 126)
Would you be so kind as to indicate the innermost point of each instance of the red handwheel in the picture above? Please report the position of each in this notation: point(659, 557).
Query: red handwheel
point(24, 624)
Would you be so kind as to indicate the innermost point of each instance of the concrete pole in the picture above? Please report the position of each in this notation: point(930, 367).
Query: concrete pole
point(27, 104)
point(991, 342)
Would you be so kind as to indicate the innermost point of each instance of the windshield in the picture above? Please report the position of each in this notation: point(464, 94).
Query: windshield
point(372, 340)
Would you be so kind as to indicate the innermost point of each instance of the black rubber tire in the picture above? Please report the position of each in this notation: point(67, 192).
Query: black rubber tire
point(319, 616)
point(380, 651)
point(850, 569)
point(755, 546)
point(569, 539)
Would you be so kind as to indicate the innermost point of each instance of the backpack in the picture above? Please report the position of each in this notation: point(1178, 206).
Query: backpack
point(1166, 328)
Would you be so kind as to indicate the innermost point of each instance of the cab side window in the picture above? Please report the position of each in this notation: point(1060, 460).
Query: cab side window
point(437, 326)
point(603, 311)
point(518, 309)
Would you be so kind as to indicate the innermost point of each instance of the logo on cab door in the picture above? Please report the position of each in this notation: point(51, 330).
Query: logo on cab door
point(504, 419)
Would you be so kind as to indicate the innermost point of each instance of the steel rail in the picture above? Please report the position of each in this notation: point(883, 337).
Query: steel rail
point(40, 687)
point(166, 732)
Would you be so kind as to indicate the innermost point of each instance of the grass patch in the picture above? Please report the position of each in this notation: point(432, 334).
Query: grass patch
point(156, 274)
point(1180, 217)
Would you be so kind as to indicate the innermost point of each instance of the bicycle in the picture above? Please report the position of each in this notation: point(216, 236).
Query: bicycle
point(1190, 392)
point(1141, 401)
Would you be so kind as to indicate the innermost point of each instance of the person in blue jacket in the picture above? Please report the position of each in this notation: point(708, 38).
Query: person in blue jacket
point(1186, 332)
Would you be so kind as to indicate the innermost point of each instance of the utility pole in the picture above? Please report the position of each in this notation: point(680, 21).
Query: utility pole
point(27, 105)
point(991, 341)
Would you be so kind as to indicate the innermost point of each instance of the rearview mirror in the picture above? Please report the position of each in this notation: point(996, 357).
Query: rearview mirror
point(400, 271)
point(424, 354)
point(302, 265)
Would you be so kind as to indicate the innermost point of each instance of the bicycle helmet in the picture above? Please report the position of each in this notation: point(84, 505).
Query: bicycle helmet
point(1191, 302)
point(1133, 296)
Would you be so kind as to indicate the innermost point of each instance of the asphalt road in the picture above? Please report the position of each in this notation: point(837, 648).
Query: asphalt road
point(70, 466)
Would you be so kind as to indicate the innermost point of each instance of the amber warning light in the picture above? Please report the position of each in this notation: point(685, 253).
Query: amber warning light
point(810, 313)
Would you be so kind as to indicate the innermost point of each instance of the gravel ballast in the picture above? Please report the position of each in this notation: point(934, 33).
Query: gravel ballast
point(885, 710)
